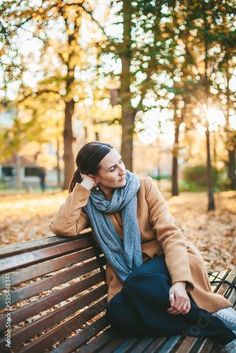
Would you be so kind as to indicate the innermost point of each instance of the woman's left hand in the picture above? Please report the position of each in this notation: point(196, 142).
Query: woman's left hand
point(179, 299)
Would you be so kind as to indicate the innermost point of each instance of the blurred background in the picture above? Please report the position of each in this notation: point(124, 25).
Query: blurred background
point(157, 79)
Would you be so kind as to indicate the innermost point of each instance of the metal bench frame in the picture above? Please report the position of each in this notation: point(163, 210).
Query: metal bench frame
point(53, 299)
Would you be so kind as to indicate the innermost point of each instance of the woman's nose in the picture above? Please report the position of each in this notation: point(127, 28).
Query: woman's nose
point(122, 170)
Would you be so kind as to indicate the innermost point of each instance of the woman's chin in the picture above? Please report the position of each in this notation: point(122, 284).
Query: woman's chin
point(122, 183)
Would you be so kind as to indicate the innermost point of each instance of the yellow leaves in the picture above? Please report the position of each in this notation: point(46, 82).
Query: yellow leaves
point(27, 216)
point(213, 232)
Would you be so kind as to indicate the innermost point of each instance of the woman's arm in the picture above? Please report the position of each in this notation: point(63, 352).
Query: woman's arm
point(174, 248)
point(169, 235)
point(70, 220)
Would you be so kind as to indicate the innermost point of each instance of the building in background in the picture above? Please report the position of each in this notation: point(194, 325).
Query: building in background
point(22, 172)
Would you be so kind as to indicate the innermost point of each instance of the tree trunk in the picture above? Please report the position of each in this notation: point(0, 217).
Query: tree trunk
point(95, 129)
point(128, 113)
point(18, 172)
point(127, 125)
point(85, 134)
point(211, 202)
point(58, 163)
point(231, 152)
point(175, 186)
point(232, 168)
point(68, 137)
point(68, 143)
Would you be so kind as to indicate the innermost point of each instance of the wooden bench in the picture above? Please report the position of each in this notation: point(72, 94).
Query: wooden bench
point(57, 290)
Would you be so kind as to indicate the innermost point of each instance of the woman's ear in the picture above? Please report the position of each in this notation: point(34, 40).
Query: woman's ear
point(94, 177)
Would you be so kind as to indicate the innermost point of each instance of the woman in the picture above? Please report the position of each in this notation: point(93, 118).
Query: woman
point(157, 281)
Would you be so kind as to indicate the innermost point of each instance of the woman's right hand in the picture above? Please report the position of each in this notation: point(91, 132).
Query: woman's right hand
point(88, 182)
point(179, 299)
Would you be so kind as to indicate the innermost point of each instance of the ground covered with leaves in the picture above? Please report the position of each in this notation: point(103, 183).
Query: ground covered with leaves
point(27, 217)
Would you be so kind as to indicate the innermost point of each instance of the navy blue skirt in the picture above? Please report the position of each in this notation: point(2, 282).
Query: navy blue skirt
point(140, 308)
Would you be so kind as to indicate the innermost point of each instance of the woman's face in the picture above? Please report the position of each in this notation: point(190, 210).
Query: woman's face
point(111, 173)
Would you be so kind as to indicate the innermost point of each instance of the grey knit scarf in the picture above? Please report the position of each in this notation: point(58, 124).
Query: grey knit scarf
point(123, 255)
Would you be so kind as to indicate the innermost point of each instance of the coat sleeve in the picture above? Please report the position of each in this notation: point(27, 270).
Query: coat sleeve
point(70, 219)
point(169, 236)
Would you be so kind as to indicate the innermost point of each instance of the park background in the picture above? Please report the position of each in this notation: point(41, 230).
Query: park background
point(157, 79)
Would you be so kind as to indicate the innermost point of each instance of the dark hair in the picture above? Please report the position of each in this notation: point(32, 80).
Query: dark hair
point(88, 159)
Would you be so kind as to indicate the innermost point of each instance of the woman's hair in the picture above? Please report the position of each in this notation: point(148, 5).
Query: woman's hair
point(88, 159)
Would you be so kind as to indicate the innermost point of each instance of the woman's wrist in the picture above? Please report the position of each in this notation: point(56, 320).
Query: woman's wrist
point(88, 184)
point(181, 283)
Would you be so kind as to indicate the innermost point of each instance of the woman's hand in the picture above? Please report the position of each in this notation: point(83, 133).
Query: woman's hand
point(88, 182)
point(179, 299)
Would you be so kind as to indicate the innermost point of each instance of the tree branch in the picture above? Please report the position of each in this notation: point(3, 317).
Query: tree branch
point(37, 94)
point(90, 13)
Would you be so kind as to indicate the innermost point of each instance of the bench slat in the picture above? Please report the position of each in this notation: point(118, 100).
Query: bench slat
point(122, 342)
point(30, 330)
point(154, 346)
point(206, 346)
point(62, 330)
point(42, 285)
point(39, 287)
point(97, 343)
point(128, 345)
point(118, 342)
point(203, 344)
point(170, 344)
point(231, 278)
point(220, 276)
point(16, 261)
point(49, 301)
point(141, 345)
point(187, 344)
point(19, 248)
point(82, 337)
point(224, 287)
point(34, 271)
point(232, 298)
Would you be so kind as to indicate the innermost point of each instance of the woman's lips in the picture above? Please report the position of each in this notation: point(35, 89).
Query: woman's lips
point(123, 178)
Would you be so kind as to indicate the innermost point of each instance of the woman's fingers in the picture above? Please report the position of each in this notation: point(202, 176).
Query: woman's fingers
point(171, 298)
point(182, 309)
point(181, 303)
point(185, 308)
point(182, 306)
point(179, 299)
point(171, 311)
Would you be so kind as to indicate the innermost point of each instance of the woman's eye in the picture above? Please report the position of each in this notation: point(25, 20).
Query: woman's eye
point(112, 169)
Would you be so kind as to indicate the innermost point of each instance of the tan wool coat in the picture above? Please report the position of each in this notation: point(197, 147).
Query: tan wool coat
point(159, 234)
